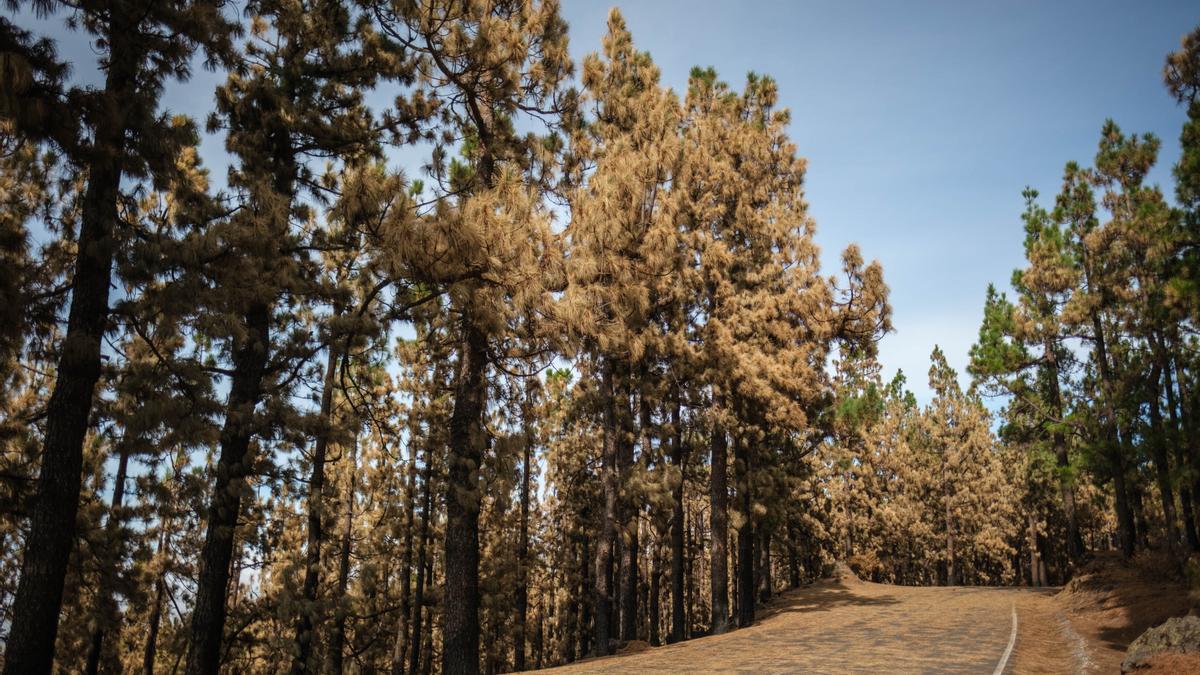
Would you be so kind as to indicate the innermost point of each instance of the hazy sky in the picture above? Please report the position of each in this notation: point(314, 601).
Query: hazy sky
point(921, 122)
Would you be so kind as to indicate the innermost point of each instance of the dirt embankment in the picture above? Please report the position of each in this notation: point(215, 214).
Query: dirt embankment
point(1110, 602)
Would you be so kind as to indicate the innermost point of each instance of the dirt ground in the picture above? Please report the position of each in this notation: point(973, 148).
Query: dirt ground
point(849, 626)
point(1109, 603)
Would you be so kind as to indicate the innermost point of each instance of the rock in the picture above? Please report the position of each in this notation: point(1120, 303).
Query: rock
point(1178, 635)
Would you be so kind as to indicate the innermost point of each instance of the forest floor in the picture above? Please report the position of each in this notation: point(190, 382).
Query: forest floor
point(846, 625)
point(1110, 603)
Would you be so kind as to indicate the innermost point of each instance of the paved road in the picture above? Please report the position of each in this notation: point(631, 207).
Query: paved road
point(851, 626)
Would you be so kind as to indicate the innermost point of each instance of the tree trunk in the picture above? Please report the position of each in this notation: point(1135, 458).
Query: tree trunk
point(766, 586)
point(655, 573)
point(522, 600)
point(1035, 578)
point(719, 526)
point(208, 616)
point(745, 565)
point(629, 511)
point(793, 554)
point(585, 608)
point(1138, 503)
point(1162, 469)
point(305, 624)
point(38, 601)
point(415, 643)
point(1185, 493)
point(1191, 437)
point(678, 458)
point(538, 635)
point(460, 614)
point(604, 545)
point(689, 552)
point(951, 571)
point(150, 650)
point(107, 613)
point(337, 641)
point(401, 646)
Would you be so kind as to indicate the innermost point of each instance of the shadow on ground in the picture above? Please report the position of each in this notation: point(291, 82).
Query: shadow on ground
point(823, 596)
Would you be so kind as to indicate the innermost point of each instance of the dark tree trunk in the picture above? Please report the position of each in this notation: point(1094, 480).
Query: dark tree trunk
point(679, 459)
point(302, 661)
point(400, 648)
point(614, 584)
point(538, 635)
point(629, 511)
point(208, 616)
point(38, 601)
point(1162, 469)
point(745, 566)
point(585, 608)
point(689, 551)
point(337, 641)
point(460, 614)
point(1191, 436)
point(150, 651)
point(951, 553)
point(655, 573)
point(766, 586)
point(107, 613)
point(793, 556)
point(629, 578)
point(522, 600)
point(1178, 416)
point(719, 526)
point(603, 603)
point(427, 641)
point(422, 554)
point(1138, 504)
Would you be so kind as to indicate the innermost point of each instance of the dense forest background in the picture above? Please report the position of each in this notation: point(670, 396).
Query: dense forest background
point(575, 379)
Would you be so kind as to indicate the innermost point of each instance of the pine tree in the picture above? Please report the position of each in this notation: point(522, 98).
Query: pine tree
point(622, 247)
point(142, 47)
point(305, 58)
point(485, 243)
point(1022, 349)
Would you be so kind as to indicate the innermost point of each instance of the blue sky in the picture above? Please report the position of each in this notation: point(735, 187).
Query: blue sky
point(921, 122)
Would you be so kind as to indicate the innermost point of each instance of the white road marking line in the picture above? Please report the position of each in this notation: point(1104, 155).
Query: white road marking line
point(1012, 642)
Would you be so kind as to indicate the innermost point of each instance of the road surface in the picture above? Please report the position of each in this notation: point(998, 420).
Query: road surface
point(853, 626)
